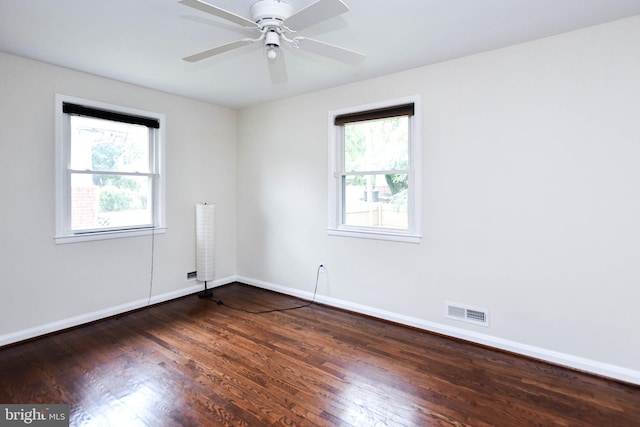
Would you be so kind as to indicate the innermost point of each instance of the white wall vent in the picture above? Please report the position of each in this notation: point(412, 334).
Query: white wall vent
point(466, 313)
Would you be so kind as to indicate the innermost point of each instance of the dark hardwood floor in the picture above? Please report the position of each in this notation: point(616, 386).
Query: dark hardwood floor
point(192, 362)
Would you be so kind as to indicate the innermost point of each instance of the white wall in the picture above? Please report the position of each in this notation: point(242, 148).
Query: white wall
point(45, 286)
point(531, 198)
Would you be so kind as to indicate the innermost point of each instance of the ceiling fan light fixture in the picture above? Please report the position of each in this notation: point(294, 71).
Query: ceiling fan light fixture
point(272, 43)
point(272, 52)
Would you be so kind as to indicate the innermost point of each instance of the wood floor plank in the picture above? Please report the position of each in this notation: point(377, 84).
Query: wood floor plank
point(194, 362)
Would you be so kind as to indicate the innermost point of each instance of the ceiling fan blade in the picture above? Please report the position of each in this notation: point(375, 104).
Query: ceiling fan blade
point(330, 51)
point(217, 50)
point(221, 13)
point(316, 12)
point(278, 69)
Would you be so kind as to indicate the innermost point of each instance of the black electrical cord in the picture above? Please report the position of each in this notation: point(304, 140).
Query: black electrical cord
point(273, 310)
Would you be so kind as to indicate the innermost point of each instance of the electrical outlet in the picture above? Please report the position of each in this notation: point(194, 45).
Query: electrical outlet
point(322, 268)
point(192, 275)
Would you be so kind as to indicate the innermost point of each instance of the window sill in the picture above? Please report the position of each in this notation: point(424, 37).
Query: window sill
point(375, 235)
point(107, 235)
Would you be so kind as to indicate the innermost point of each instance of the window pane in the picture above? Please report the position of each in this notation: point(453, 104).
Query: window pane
point(377, 145)
point(108, 201)
point(378, 200)
point(104, 145)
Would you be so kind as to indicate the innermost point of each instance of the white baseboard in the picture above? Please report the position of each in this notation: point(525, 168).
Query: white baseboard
point(192, 286)
point(562, 359)
point(575, 362)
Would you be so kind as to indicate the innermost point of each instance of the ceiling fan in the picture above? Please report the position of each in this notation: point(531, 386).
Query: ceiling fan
point(275, 22)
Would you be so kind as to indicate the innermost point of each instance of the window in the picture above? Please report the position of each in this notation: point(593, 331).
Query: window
point(109, 171)
point(374, 165)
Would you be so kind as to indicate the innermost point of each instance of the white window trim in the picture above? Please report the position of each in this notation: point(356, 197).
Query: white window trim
point(336, 152)
point(62, 232)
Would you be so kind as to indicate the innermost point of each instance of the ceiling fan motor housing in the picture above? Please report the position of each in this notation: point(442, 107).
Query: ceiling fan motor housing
point(270, 12)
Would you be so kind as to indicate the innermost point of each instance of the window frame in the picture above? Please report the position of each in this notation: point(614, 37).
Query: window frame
point(64, 233)
point(336, 226)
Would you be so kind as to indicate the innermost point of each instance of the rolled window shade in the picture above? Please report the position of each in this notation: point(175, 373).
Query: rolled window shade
point(379, 113)
point(205, 224)
point(81, 110)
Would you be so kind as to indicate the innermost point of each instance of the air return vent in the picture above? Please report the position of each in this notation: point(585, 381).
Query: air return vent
point(465, 313)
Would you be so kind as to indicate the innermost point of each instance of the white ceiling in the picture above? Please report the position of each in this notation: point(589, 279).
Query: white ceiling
point(143, 41)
